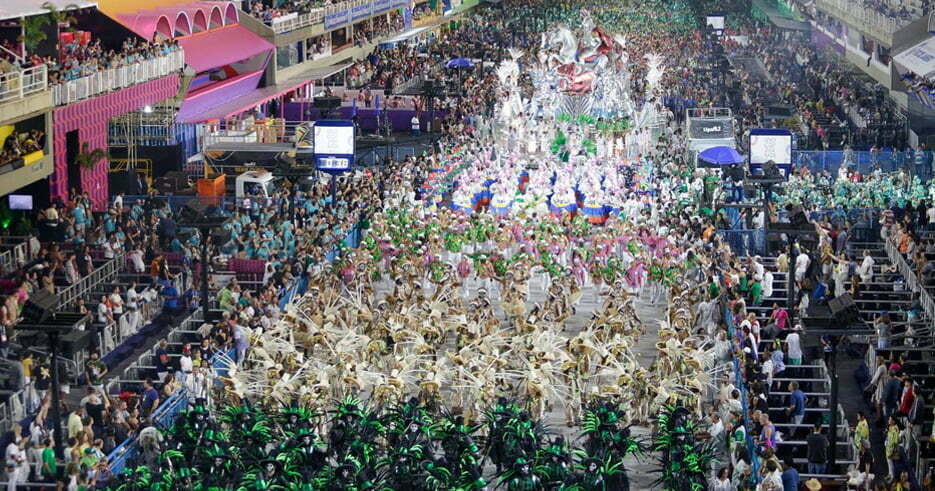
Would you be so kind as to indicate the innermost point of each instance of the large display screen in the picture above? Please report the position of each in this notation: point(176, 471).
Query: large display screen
point(764, 148)
point(337, 140)
point(334, 144)
point(21, 202)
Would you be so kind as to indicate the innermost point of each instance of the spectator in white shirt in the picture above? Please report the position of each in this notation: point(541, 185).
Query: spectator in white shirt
point(197, 384)
point(136, 259)
point(104, 314)
point(865, 270)
point(71, 270)
point(116, 302)
point(110, 247)
point(801, 265)
point(185, 362)
point(794, 346)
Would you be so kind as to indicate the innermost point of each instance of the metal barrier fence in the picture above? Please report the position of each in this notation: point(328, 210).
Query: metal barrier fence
point(744, 399)
point(925, 298)
point(16, 256)
point(917, 163)
point(376, 155)
point(17, 85)
point(117, 78)
point(165, 416)
point(107, 272)
point(14, 408)
point(745, 242)
point(128, 449)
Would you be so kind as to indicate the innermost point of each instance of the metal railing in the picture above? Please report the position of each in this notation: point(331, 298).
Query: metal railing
point(872, 21)
point(107, 272)
point(117, 78)
point(16, 256)
point(14, 409)
point(17, 85)
point(925, 298)
point(291, 23)
point(916, 163)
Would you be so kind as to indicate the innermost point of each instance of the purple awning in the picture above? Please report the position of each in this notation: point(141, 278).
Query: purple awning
point(220, 47)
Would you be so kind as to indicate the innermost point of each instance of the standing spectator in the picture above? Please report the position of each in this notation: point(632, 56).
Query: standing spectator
point(94, 371)
point(892, 444)
point(75, 425)
point(796, 409)
point(185, 362)
point(790, 476)
point(722, 481)
point(49, 466)
point(17, 469)
point(772, 481)
point(817, 445)
point(150, 400)
point(794, 346)
point(861, 433)
point(907, 398)
point(892, 393)
point(162, 360)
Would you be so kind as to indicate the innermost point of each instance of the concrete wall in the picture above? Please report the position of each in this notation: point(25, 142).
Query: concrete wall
point(27, 175)
point(26, 107)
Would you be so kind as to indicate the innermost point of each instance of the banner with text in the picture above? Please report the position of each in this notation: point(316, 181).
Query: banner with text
point(342, 17)
point(710, 128)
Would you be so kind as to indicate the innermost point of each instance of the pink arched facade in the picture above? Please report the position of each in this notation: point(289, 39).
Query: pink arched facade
point(181, 20)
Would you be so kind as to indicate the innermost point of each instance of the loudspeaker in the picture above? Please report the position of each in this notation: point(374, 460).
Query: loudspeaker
point(40, 306)
point(749, 191)
point(842, 303)
point(770, 171)
point(51, 231)
point(75, 342)
point(844, 310)
point(172, 182)
point(194, 211)
point(324, 102)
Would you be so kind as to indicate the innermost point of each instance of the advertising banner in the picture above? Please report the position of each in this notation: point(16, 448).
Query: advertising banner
point(361, 12)
point(711, 128)
point(337, 19)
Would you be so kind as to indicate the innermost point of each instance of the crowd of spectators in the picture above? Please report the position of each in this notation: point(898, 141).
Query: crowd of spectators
point(923, 86)
point(77, 60)
point(364, 33)
point(896, 10)
point(266, 12)
point(19, 144)
point(317, 46)
point(484, 36)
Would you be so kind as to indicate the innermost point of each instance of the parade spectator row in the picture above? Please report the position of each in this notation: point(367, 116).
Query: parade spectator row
point(76, 60)
point(264, 10)
point(19, 144)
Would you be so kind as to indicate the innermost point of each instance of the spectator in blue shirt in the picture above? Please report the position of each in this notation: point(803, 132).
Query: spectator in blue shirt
point(150, 398)
point(172, 298)
point(796, 409)
point(790, 476)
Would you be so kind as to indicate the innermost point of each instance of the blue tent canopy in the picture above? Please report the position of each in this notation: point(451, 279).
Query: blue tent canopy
point(721, 156)
point(460, 63)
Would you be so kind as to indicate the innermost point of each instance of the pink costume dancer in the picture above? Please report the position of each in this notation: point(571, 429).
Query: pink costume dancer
point(579, 270)
point(557, 253)
point(464, 272)
point(635, 275)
